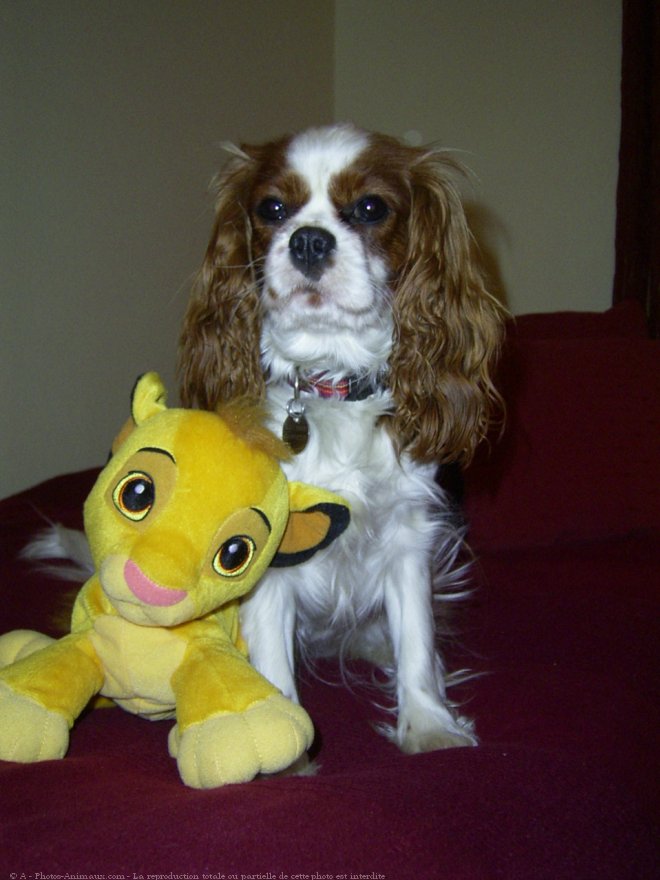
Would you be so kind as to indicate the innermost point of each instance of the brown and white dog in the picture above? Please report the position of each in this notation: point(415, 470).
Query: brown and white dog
point(340, 284)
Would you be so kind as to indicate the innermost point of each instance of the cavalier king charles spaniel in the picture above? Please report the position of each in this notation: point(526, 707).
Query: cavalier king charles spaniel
point(340, 285)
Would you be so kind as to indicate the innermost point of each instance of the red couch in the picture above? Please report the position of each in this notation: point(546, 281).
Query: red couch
point(565, 521)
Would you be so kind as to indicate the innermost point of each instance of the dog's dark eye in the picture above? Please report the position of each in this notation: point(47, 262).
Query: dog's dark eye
point(272, 210)
point(369, 209)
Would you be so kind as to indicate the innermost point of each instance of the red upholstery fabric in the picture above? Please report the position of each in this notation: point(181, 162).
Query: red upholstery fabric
point(627, 319)
point(563, 626)
point(579, 457)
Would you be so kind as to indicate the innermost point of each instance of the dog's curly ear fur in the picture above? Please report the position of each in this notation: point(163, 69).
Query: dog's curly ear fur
point(447, 326)
point(220, 340)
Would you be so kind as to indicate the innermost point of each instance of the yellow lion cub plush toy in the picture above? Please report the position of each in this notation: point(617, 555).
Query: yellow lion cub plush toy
point(183, 520)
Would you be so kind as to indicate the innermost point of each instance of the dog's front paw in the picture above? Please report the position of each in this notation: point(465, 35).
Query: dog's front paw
point(430, 731)
point(234, 747)
point(29, 732)
point(431, 740)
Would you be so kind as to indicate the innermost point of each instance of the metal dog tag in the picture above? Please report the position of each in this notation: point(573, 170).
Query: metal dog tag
point(295, 430)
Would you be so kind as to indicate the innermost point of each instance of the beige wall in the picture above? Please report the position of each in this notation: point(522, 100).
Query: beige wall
point(528, 92)
point(111, 114)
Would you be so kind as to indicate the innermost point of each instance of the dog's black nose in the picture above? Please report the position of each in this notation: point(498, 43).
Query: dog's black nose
point(310, 247)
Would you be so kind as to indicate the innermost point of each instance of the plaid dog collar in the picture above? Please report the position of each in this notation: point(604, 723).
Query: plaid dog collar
point(347, 388)
point(295, 430)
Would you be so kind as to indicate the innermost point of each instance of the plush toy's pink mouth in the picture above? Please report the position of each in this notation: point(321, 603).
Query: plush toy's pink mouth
point(147, 591)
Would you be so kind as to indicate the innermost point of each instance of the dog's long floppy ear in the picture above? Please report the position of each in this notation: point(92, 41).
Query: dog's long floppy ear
point(447, 326)
point(219, 345)
point(316, 519)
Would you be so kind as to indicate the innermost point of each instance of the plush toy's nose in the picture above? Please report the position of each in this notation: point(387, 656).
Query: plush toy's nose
point(168, 560)
point(148, 591)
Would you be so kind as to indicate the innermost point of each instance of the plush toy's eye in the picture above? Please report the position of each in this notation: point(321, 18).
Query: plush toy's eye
point(234, 556)
point(134, 495)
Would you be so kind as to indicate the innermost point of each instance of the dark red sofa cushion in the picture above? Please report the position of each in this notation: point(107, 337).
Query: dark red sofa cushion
point(562, 786)
point(626, 318)
point(579, 455)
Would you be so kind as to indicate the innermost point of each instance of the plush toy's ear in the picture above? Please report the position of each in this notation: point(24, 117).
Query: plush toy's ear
point(149, 397)
point(316, 518)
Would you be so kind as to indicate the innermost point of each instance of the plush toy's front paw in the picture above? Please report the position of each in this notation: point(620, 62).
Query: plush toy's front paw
point(235, 747)
point(29, 732)
point(20, 643)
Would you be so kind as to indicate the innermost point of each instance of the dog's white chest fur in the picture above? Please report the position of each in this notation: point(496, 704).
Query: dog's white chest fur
point(350, 453)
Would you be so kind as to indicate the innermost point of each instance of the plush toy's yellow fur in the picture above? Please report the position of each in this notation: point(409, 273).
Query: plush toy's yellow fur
point(184, 519)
